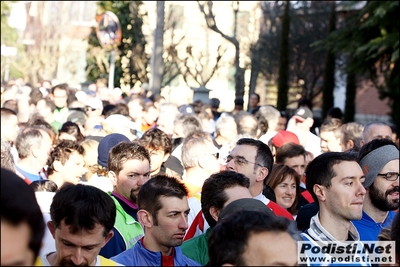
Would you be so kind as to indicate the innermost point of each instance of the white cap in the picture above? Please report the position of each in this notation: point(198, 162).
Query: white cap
point(95, 103)
point(121, 120)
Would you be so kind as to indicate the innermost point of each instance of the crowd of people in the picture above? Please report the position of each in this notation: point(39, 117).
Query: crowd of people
point(101, 178)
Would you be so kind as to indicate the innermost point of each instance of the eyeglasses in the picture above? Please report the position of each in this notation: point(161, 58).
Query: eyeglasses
point(89, 109)
point(239, 160)
point(390, 176)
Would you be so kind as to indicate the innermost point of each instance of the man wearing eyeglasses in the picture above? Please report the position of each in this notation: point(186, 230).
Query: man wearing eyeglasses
point(253, 158)
point(379, 160)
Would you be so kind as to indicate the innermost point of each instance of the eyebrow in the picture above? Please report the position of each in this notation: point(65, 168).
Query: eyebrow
point(85, 246)
point(352, 177)
point(178, 211)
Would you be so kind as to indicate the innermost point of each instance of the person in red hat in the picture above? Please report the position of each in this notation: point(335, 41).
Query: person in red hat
point(281, 138)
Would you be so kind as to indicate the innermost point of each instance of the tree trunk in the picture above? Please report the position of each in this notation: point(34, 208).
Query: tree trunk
point(157, 67)
point(329, 74)
point(351, 89)
point(283, 79)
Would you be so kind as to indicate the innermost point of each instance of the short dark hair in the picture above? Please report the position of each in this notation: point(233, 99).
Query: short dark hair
point(263, 155)
point(73, 129)
point(160, 185)
point(320, 169)
point(82, 207)
point(289, 150)
point(124, 151)
point(156, 139)
point(228, 239)
point(213, 191)
point(18, 205)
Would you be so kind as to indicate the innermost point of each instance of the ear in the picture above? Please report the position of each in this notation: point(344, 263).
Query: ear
point(262, 173)
point(109, 236)
point(145, 218)
point(35, 151)
point(52, 229)
point(310, 122)
point(319, 191)
point(350, 144)
point(166, 156)
point(113, 177)
point(201, 161)
point(214, 213)
point(57, 165)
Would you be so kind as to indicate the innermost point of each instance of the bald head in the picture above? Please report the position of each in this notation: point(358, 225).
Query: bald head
point(376, 130)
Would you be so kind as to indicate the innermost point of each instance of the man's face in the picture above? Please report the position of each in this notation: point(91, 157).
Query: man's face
point(329, 142)
point(384, 194)
point(9, 129)
point(133, 175)
point(60, 98)
point(73, 169)
point(253, 101)
point(210, 161)
point(157, 158)
point(93, 112)
point(178, 131)
point(229, 131)
point(80, 248)
point(281, 124)
point(150, 116)
point(166, 125)
point(135, 110)
point(297, 163)
point(15, 250)
point(344, 198)
point(248, 169)
point(172, 223)
point(270, 249)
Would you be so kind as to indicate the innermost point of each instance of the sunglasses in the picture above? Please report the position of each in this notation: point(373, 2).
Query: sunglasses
point(89, 109)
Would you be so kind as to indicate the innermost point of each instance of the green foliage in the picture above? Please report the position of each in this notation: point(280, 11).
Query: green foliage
point(371, 36)
point(283, 86)
point(130, 60)
point(9, 35)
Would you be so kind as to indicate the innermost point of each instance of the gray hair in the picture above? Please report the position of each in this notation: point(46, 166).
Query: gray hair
point(31, 136)
point(271, 114)
point(222, 122)
point(7, 160)
point(352, 131)
point(194, 145)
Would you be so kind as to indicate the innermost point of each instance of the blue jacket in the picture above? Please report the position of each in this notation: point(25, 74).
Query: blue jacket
point(140, 256)
point(369, 229)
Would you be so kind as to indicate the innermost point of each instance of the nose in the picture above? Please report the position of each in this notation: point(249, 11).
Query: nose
point(183, 223)
point(142, 179)
point(77, 257)
point(362, 190)
point(231, 165)
point(290, 190)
